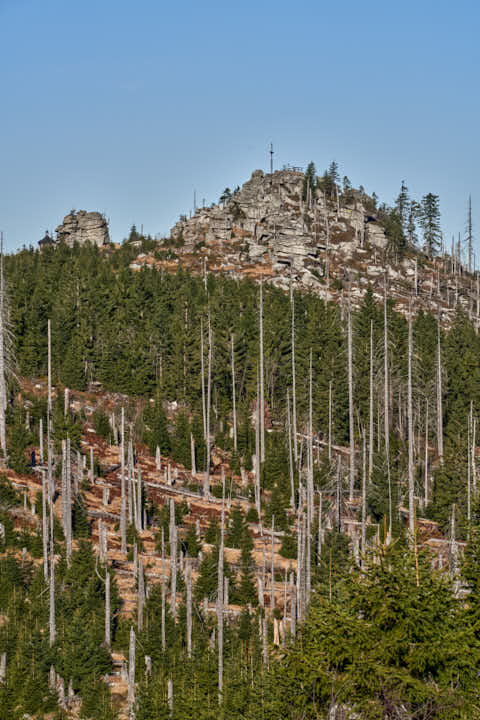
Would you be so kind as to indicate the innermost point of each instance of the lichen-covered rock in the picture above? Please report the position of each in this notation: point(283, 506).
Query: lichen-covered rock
point(82, 227)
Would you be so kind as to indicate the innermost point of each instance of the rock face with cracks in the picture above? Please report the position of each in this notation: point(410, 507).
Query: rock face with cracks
point(82, 227)
point(268, 222)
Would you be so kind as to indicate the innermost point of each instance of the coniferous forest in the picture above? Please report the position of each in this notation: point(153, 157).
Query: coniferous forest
point(320, 558)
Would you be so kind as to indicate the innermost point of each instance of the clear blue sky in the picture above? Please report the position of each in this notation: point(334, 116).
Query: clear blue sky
point(127, 107)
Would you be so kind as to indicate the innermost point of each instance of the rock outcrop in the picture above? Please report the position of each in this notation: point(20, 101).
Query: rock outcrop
point(268, 222)
point(333, 246)
point(82, 227)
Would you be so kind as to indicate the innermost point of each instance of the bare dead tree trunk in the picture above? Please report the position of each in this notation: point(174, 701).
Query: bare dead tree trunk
point(474, 465)
point(173, 560)
point(351, 421)
point(294, 391)
point(293, 607)
point(272, 570)
point(40, 440)
point(370, 416)
point(411, 479)
point(202, 363)
point(299, 560)
point(387, 406)
point(290, 457)
point(265, 641)
point(192, 455)
point(4, 363)
point(170, 693)
point(131, 673)
point(141, 594)
point(220, 599)
point(364, 498)
point(330, 421)
point(257, 456)
point(92, 468)
point(51, 482)
point(310, 442)
point(469, 469)
point(425, 489)
point(3, 667)
point(163, 590)
point(44, 526)
point(188, 578)
point(52, 627)
point(320, 528)
point(308, 561)
point(139, 499)
point(132, 512)
point(123, 513)
point(206, 480)
point(108, 640)
point(234, 399)
point(262, 387)
point(439, 397)
point(453, 546)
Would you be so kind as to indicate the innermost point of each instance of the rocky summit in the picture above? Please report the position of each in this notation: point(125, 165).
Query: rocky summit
point(331, 245)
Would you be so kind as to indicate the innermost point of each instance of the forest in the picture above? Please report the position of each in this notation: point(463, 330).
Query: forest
point(318, 411)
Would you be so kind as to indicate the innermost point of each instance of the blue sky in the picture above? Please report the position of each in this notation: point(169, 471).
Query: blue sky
point(128, 107)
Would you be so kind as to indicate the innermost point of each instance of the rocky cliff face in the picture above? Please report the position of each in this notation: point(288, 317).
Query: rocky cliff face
point(267, 223)
point(329, 246)
point(84, 227)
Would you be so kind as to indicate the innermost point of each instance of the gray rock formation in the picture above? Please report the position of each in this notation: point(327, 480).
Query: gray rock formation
point(84, 227)
point(266, 221)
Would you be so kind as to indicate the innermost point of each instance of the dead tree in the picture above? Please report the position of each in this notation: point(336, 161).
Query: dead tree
point(123, 510)
point(439, 396)
point(5, 352)
point(290, 458)
point(107, 609)
point(44, 526)
point(132, 513)
point(262, 387)
point(469, 233)
point(131, 673)
point(188, 580)
point(206, 479)
point(425, 488)
point(139, 515)
point(330, 421)
point(51, 485)
point(294, 391)
point(192, 455)
point(370, 409)
point(272, 569)
point(310, 443)
point(351, 421)
point(364, 496)
point(257, 455)
point(141, 594)
point(220, 598)
point(163, 591)
point(411, 479)
point(387, 407)
point(40, 440)
point(51, 625)
point(234, 399)
point(202, 364)
point(173, 560)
